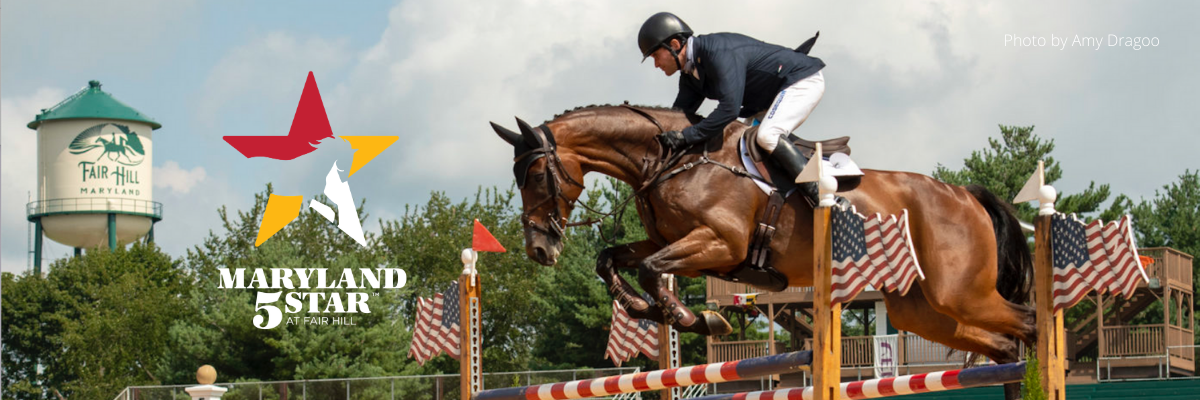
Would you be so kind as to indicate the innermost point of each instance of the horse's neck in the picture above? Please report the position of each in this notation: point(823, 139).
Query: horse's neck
point(618, 153)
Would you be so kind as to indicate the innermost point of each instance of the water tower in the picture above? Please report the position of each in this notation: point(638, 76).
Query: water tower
point(94, 171)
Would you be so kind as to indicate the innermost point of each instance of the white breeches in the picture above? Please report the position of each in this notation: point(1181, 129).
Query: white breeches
point(791, 108)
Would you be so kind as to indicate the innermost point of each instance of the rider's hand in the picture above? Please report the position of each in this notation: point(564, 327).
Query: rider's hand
point(672, 140)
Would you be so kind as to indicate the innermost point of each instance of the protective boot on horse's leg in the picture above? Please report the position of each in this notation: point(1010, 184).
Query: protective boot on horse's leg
point(628, 256)
point(699, 250)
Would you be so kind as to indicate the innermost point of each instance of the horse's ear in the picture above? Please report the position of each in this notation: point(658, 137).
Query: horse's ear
point(527, 133)
point(509, 136)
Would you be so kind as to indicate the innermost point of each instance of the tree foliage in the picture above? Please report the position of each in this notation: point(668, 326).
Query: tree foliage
point(1008, 162)
point(91, 326)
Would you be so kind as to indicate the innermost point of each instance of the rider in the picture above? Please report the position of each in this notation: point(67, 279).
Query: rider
point(746, 76)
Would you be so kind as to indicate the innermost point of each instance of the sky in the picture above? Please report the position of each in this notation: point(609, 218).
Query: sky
point(915, 83)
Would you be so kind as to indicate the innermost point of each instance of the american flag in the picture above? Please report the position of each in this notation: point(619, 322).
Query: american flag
point(874, 251)
point(437, 328)
point(1093, 256)
point(629, 336)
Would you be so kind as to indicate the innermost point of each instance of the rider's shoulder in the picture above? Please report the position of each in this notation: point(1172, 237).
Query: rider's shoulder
point(724, 40)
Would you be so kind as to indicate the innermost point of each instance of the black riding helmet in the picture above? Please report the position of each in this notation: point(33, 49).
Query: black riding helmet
point(658, 30)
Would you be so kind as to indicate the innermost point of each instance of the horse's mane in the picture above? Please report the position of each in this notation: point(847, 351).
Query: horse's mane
point(592, 107)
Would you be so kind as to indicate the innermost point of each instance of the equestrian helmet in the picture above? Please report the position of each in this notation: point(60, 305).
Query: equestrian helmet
point(659, 29)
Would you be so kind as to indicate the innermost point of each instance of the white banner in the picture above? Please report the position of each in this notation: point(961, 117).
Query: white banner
point(886, 356)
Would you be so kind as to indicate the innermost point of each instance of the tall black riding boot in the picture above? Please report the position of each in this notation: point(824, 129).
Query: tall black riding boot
point(788, 157)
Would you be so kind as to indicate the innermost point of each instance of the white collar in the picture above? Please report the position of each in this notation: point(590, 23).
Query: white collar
point(689, 67)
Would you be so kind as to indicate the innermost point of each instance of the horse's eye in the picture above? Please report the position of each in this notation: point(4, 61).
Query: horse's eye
point(539, 177)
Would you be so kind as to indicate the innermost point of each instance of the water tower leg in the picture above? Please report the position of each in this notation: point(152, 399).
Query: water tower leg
point(112, 232)
point(150, 236)
point(37, 247)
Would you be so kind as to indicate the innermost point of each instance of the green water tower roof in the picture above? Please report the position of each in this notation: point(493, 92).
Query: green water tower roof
point(91, 102)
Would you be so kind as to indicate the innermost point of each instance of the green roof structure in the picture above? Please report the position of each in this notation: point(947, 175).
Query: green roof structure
point(91, 102)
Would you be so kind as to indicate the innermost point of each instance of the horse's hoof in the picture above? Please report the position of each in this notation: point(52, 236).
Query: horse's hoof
point(716, 324)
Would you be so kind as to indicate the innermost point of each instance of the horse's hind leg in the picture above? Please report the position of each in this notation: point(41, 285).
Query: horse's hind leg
point(913, 313)
point(701, 249)
point(628, 256)
point(975, 301)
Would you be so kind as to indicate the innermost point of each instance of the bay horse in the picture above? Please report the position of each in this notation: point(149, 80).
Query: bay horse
point(975, 259)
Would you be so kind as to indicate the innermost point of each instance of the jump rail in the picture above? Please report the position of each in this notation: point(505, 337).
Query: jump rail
point(655, 380)
point(886, 387)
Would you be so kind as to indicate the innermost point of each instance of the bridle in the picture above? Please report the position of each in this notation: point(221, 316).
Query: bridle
point(554, 167)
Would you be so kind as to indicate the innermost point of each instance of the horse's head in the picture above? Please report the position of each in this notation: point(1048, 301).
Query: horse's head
point(548, 188)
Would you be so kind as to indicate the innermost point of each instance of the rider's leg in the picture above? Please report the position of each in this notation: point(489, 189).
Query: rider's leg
point(791, 108)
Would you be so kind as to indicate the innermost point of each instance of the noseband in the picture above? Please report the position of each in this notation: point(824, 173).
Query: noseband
point(557, 171)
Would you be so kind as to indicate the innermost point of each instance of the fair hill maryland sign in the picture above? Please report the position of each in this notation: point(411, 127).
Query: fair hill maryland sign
point(107, 152)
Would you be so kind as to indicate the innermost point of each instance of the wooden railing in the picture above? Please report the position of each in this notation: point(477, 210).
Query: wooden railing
point(717, 287)
point(739, 350)
point(859, 351)
point(916, 350)
point(1177, 336)
point(1138, 340)
point(1170, 266)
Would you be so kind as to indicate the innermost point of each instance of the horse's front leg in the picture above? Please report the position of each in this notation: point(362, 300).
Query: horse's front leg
point(628, 256)
point(701, 249)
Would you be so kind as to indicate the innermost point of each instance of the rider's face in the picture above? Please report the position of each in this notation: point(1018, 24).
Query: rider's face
point(664, 61)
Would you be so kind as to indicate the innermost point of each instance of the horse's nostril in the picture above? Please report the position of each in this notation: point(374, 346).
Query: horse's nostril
point(541, 253)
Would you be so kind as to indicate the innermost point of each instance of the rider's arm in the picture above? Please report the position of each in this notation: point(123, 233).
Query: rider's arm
point(731, 83)
point(689, 98)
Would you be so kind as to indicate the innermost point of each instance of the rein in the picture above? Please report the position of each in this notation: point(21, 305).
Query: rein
point(654, 169)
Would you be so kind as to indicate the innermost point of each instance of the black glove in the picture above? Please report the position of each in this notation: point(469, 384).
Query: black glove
point(672, 140)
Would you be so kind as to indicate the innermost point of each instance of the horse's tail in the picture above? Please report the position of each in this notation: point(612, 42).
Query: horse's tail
point(1014, 261)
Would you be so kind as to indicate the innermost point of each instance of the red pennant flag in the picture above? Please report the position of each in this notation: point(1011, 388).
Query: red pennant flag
point(482, 240)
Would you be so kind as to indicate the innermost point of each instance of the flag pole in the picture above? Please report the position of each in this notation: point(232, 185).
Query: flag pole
point(1051, 351)
point(827, 316)
point(470, 308)
point(471, 344)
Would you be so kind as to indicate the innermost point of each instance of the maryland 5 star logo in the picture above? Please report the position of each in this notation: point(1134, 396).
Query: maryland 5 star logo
point(309, 127)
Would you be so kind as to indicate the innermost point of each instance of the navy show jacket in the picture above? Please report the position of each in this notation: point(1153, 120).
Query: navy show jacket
point(742, 73)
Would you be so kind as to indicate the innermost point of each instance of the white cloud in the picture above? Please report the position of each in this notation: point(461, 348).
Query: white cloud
point(268, 70)
point(179, 180)
point(18, 170)
point(188, 217)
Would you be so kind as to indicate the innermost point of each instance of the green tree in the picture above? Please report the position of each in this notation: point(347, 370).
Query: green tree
point(1170, 219)
point(1008, 162)
point(221, 331)
point(95, 324)
point(426, 241)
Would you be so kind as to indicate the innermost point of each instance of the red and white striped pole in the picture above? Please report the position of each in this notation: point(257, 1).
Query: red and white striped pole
point(886, 387)
point(655, 380)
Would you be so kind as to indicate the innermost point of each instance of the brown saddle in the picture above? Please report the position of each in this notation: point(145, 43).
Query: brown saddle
point(807, 147)
point(775, 176)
